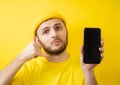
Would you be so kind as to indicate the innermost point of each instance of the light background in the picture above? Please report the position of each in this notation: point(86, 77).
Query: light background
point(17, 17)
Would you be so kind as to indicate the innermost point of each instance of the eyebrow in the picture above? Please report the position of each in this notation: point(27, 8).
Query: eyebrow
point(44, 28)
point(57, 24)
point(49, 27)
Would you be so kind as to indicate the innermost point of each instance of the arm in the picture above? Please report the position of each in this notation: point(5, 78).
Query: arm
point(31, 51)
point(88, 69)
point(88, 72)
point(8, 73)
point(89, 78)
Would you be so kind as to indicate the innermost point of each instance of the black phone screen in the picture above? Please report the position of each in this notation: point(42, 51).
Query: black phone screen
point(92, 38)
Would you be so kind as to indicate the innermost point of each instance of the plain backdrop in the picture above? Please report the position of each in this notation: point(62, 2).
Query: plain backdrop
point(17, 18)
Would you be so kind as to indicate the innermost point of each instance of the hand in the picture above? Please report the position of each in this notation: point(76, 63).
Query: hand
point(89, 67)
point(32, 50)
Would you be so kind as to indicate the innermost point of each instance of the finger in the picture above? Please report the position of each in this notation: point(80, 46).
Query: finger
point(44, 55)
point(39, 53)
point(101, 50)
point(81, 49)
point(81, 54)
point(102, 43)
point(32, 41)
point(102, 57)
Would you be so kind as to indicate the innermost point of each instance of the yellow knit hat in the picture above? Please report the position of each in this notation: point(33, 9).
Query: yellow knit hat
point(46, 16)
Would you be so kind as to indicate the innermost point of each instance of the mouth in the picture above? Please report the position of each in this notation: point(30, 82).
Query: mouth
point(56, 42)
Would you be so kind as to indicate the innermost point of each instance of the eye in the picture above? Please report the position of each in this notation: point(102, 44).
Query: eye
point(57, 28)
point(45, 31)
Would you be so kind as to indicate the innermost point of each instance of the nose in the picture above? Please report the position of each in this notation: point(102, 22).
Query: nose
point(53, 33)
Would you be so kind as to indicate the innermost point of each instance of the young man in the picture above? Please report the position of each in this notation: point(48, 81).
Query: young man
point(56, 66)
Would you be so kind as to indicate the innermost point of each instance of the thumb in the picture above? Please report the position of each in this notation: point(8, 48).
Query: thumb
point(41, 53)
point(44, 55)
point(81, 50)
point(81, 53)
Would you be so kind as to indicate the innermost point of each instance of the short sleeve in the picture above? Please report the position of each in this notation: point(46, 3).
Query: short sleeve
point(17, 79)
point(23, 76)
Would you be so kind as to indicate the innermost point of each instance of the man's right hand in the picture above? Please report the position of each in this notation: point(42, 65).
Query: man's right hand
point(32, 50)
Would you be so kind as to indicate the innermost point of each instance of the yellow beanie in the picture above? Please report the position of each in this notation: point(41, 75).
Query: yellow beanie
point(46, 16)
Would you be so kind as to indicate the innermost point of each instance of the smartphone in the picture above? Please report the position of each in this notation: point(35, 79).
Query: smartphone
point(92, 39)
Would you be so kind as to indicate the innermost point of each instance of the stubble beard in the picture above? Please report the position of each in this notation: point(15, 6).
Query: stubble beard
point(57, 51)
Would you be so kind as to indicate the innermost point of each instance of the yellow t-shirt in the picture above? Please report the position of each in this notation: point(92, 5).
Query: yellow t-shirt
point(39, 71)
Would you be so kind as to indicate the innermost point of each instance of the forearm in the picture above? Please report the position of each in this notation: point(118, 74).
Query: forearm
point(89, 78)
point(8, 73)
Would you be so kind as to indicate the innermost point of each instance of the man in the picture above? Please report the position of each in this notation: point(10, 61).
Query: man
point(56, 66)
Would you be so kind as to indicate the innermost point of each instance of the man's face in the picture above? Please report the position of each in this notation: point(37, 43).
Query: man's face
point(53, 36)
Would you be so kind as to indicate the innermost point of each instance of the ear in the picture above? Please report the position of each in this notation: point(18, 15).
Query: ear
point(37, 41)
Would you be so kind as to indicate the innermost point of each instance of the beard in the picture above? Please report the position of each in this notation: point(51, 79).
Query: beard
point(58, 50)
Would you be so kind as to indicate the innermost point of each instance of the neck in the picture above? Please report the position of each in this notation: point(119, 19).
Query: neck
point(58, 58)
